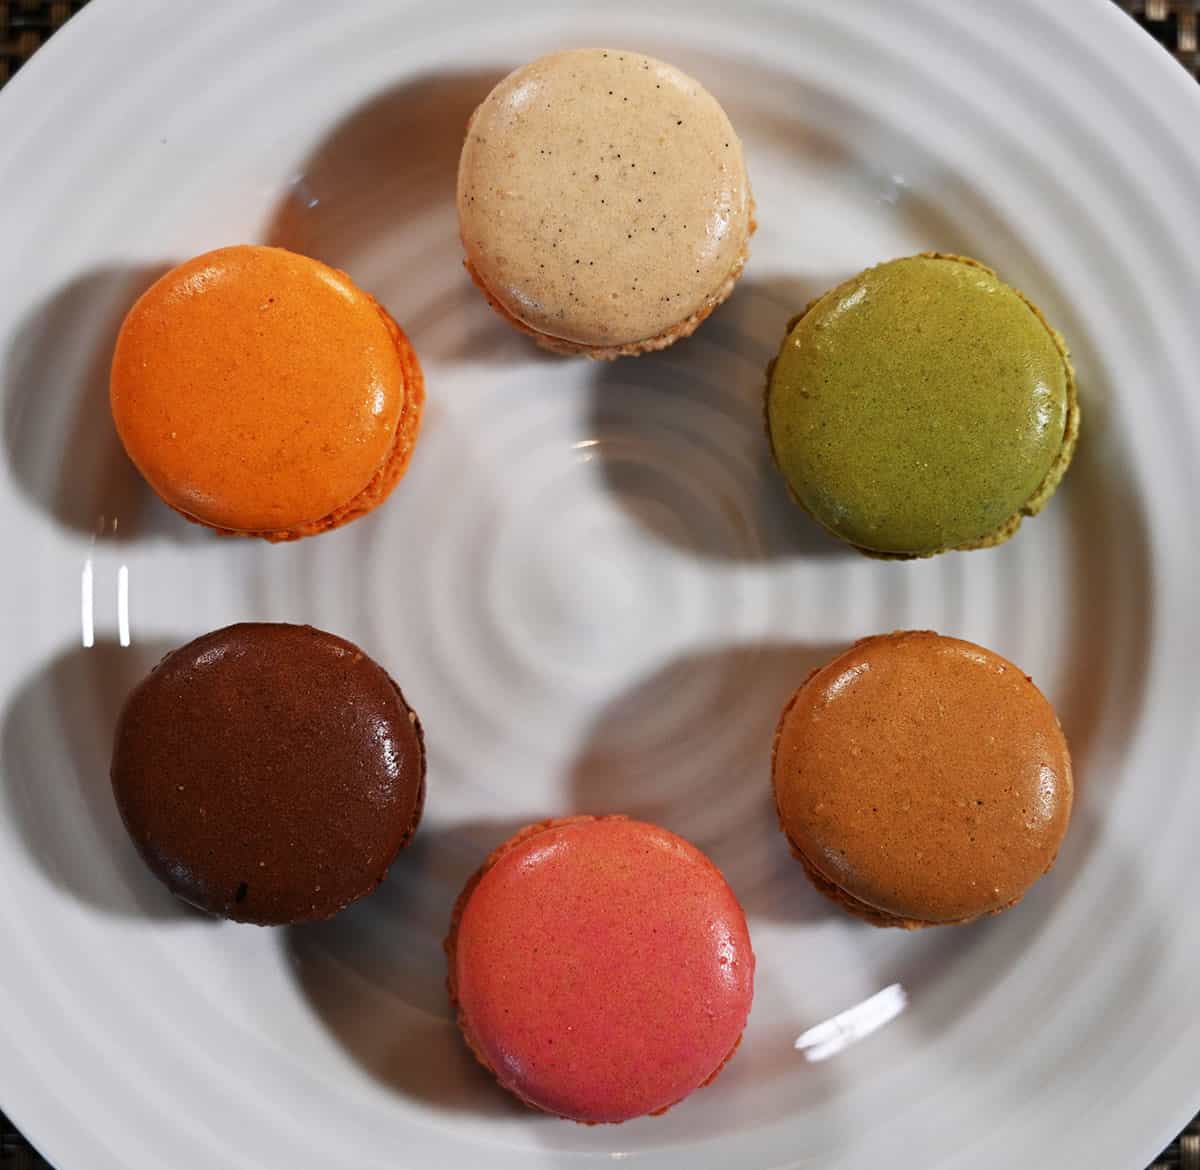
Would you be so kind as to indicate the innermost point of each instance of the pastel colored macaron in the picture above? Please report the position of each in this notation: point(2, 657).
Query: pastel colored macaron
point(269, 773)
point(603, 202)
point(922, 406)
point(601, 968)
point(261, 392)
point(921, 780)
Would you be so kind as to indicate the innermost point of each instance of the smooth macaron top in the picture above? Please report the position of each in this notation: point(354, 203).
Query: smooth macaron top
point(923, 776)
point(602, 968)
point(268, 773)
point(602, 196)
point(257, 390)
point(921, 406)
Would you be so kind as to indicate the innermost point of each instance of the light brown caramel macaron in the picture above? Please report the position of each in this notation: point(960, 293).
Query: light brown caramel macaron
point(603, 202)
point(922, 780)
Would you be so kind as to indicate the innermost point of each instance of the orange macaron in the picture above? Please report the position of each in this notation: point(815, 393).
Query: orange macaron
point(922, 780)
point(261, 392)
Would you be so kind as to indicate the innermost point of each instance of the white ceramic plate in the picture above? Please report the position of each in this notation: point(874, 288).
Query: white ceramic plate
point(592, 588)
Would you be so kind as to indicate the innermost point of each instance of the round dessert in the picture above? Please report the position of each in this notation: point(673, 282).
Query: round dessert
point(603, 202)
point(269, 773)
point(921, 780)
point(260, 392)
point(601, 968)
point(922, 406)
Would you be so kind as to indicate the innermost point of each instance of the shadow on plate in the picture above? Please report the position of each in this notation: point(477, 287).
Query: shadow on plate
point(680, 440)
point(376, 198)
point(376, 974)
point(59, 436)
point(392, 159)
point(1112, 626)
point(689, 748)
point(949, 971)
point(55, 748)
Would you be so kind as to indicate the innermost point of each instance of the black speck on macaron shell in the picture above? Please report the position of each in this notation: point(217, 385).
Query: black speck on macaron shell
point(269, 773)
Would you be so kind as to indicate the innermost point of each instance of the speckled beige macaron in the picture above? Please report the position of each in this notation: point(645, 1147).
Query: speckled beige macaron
point(603, 202)
point(922, 780)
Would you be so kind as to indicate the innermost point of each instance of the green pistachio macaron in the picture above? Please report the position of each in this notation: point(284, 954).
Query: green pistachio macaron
point(921, 406)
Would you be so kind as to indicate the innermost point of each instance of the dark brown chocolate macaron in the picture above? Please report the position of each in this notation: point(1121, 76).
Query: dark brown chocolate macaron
point(922, 780)
point(269, 773)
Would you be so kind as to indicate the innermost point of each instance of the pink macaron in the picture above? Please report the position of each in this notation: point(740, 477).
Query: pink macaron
point(601, 968)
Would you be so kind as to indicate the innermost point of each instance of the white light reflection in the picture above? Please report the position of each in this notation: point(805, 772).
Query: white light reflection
point(1047, 793)
point(123, 605)
point(586, 449)
point(846, 679)
point(541, 855)
point(853, 1025)
point(894, 189)
point(336, 284)
point(303, 194)
point(855, 299)
point(86, 615)
point(1043, 413)
point(526, 92)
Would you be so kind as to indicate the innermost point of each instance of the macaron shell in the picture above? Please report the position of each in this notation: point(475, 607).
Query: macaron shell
point(257, 390)
point(602, 968)
point(921, 406)
point(394, 467)
point(924, 777)
point(269, 773)
point(602, 197)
